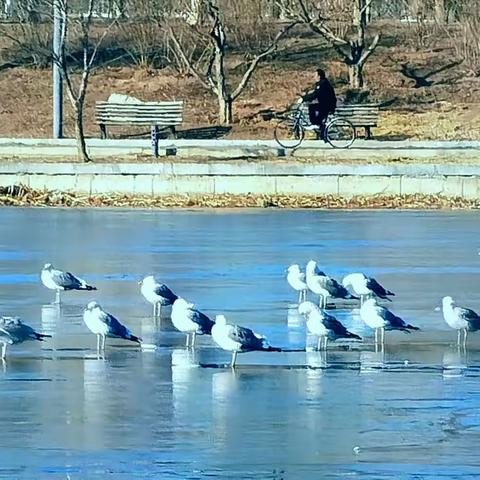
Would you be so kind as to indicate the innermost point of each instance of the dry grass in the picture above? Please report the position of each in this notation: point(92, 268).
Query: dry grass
point(24, 196)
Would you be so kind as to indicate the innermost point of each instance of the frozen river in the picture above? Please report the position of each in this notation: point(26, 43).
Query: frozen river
point(410, 412)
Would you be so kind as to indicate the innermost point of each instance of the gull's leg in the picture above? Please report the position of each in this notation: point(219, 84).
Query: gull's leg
point(300, 293)
point(4, 351)
point(98, 342)
point(234, 359)
point(465, 338)
point(104, 342)
point(361, 300)
point(376, 336)
point(57, 296)
point(326, 341)
point(193, 340)
point(319, 343)
point(458, 337)
point(187, 343)
point(154, 310)
point(383, 337)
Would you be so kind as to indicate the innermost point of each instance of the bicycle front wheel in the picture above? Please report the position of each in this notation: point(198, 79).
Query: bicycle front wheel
point(340, 133)
point(289, 133)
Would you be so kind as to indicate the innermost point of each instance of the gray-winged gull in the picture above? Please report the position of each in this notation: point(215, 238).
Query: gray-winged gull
point(58, 280)
point(189, 320)
point(104, 325)
point(157, 293)
point(461, 319)
point(13, 331)
point(365, 287)
point(323, 325)
point(325, 286)
point(378, 317)
point(296, 279)
point(234, 338)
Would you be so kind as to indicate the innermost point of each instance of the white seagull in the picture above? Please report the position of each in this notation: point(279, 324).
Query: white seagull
point(158, 294)
point(104, 325)
point(325, 286)
point(234, 338)
point(57, 280)
point(365, 287)
point(189, 320)
point(377, 317)
point(296, 279)
point(323, 325)
point(13, 331)
point(460, 318)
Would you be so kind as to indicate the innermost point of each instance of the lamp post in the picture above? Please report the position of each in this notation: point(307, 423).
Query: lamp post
point(57, 75)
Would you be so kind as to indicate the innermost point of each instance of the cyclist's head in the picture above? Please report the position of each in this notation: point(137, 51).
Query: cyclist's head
point(320, 73)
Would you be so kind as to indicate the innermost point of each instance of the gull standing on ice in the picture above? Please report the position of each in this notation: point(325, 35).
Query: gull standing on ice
point(158, 294)
point(461, 319)
point(323, 325)
point(296, 279)
point(325, 286)
point(190, 321)
point(365, 287)
point(104, 325)
point(234, 338)
point(377, 317)
point(13, 331)
point(57, 280)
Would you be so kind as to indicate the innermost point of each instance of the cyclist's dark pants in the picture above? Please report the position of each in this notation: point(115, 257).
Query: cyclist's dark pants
point(318, 116)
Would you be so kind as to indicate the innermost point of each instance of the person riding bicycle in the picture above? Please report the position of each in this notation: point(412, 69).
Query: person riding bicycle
point(323, 102)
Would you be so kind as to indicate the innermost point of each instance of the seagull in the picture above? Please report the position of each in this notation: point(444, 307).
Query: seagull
point(13, 330)
point(296, 280)
point(325, 286)
point(460, 318)
point(377, 317)
point(190, 321)
point(57, 280)
point(238, 339)
point(323, 325)
point(104, 325)
point(365, 287)
point(158, 294)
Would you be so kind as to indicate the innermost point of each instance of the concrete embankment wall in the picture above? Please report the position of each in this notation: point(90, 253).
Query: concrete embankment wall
point(242, 177)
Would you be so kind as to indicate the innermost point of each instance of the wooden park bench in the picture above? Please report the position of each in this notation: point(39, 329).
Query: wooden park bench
point(154, 114)
point(361, 116)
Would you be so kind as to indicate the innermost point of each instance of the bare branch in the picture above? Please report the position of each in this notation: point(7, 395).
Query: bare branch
point(185, 59)
point(368, 51)
point(254, 63)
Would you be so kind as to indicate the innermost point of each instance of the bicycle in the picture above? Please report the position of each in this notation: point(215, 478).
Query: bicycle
point(290, 130)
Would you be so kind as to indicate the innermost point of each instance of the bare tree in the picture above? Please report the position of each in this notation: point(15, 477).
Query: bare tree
point(82, 22)
point(354, 50)
point(214, 76)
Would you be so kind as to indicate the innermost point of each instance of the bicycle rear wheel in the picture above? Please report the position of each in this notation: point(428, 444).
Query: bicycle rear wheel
point(289, 133)
point(340, 133)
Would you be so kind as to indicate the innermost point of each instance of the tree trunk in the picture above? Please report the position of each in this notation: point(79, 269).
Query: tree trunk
point(80, 135)
point(355, 75)
point(225, 110)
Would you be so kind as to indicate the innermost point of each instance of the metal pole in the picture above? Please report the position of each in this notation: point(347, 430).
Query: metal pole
point(57, 75)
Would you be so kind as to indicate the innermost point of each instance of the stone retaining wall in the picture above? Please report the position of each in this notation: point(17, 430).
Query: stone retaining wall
point(257, 177)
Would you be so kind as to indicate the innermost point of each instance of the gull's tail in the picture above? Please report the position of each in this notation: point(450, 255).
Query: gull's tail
point(41, 336)
point(134, 338)
point(353, 336)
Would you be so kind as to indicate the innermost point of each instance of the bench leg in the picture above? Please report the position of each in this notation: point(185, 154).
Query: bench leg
point(368, 133)
point(103, 131)
point(173, 132)
point(154, 132)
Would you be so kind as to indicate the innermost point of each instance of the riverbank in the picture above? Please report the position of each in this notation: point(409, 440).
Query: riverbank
point(26, 197)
